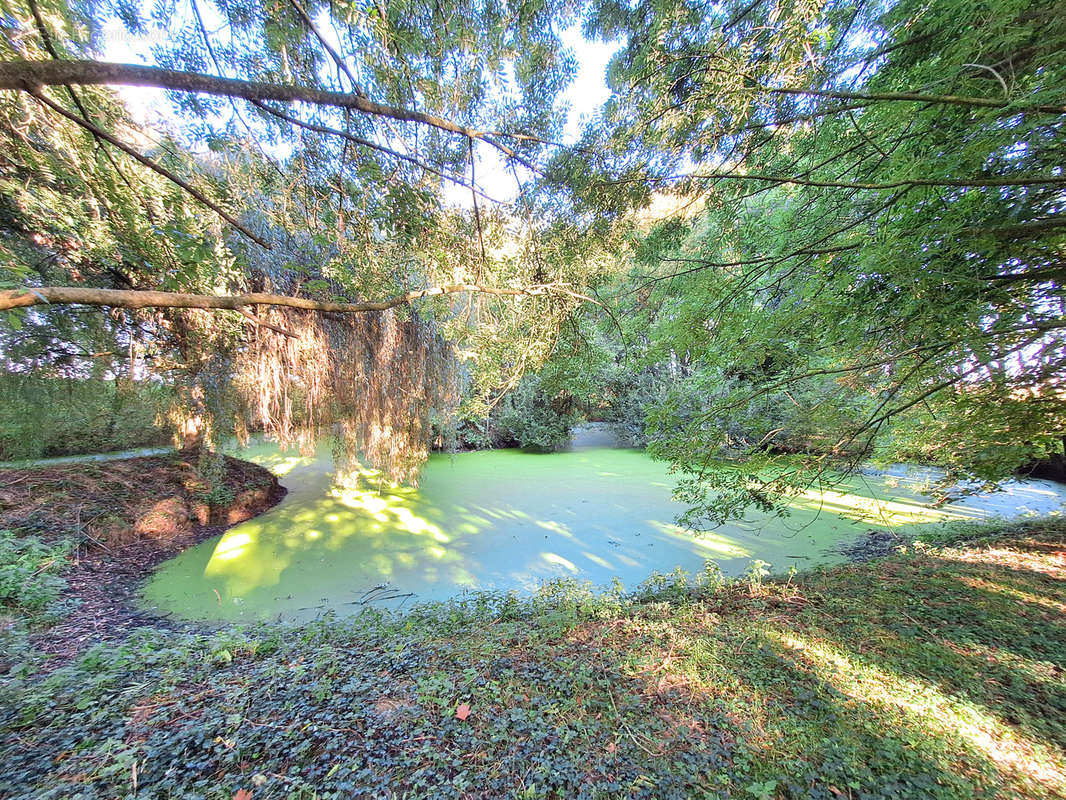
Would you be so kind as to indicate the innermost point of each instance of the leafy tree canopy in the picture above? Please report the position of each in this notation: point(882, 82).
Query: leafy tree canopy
point(878, 265)
point(865, 257)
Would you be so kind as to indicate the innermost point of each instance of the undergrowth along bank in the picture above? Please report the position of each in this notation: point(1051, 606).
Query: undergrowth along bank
point(937, 672)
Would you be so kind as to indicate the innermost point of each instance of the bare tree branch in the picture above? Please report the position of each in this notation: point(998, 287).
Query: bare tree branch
point(1025, 180)
point(801, 180)
point(323, 129)
point(123, 298)
point(703, 263)
point(248, 315)
point(477, 211)
point(1019, 230)
point(29, 75)
point(917, 97)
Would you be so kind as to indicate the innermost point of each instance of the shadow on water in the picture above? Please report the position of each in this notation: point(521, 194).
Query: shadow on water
point(499, 521)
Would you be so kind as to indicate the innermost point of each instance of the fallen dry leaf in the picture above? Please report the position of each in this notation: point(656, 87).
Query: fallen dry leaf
point(463, 711)
point(242, 794)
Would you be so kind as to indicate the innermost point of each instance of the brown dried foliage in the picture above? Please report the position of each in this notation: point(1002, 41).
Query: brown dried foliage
point(371, 380)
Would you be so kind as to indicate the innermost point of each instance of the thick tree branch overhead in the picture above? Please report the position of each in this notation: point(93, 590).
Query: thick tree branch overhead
point(122, 298)
point(30, 75)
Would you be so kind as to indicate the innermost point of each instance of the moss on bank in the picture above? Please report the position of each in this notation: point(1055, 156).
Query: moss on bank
point(937, 672)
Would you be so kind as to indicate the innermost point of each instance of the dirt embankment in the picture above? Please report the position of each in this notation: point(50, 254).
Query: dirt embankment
point(126, 517)
point(113, 503)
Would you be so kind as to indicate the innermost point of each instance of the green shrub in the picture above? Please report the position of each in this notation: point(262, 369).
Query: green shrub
point(474, 434)
point(630, 396)
point(30, 580)
point(529, 418)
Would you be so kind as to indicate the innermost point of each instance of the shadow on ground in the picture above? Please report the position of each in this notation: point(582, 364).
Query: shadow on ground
point(924, 675)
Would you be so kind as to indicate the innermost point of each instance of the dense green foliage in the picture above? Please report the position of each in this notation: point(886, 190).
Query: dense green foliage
point(827, 228)
point(41, 417)
point(936, 673)
point(530, 418)
point(30, 582)
point(31, 591)
point(327, 205)
point(855, 272)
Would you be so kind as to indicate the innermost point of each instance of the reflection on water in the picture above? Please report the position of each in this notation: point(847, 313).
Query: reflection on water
point(501, 520)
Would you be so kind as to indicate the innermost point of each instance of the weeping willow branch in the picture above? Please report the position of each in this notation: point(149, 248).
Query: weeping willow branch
point(123, 298)
point(248, 315)
point(379, 385)
point(341, 65)
point(100, 133)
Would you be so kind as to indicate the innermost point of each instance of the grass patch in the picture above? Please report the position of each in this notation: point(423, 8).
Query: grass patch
point(31, 589)
point(934, 673)
point(31, 582)
point(30, 575)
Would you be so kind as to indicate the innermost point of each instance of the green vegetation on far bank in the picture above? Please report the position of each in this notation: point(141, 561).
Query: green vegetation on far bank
point(937, 672)
point(47, 416)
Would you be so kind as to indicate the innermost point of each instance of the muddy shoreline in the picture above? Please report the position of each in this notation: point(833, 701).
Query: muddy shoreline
point(126, 517)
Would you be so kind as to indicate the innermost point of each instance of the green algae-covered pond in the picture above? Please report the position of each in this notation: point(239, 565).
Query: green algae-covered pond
point(501, 520)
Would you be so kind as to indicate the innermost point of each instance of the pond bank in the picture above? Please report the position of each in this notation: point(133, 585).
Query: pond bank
point(125, 517)
point(932, 675)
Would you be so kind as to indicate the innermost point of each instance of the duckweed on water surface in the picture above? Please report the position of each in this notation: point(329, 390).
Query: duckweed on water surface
point(498, 521)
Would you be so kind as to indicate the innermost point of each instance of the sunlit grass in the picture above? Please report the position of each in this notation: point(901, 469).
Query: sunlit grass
point(886, 661)
point(925, 706)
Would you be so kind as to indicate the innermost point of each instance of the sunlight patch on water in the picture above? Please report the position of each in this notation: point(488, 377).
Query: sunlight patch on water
point(719, 545)
point(877, 510)
point(232, 546)
point(554, 558)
